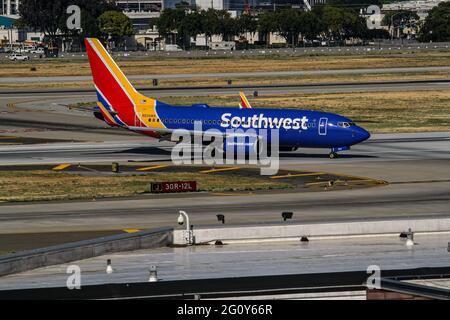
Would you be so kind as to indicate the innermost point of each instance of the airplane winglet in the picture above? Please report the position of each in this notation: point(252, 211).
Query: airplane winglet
point(244, 102)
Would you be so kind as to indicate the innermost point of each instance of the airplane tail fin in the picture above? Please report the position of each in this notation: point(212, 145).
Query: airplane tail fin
point(244, 102)
point(118, 100)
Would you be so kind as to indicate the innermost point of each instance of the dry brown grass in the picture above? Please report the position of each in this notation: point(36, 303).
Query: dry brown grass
point(48, 185)
point(201, 65)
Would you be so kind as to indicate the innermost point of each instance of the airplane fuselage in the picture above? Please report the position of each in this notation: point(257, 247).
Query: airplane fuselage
point(297, 128)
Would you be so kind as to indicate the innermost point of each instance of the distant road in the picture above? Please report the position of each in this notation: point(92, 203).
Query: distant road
point(387, 47)
point(11, 80)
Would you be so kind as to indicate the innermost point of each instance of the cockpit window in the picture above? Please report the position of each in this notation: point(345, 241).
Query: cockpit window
point(346, 124)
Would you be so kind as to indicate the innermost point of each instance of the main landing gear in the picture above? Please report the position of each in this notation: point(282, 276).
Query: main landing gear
point(333, 155)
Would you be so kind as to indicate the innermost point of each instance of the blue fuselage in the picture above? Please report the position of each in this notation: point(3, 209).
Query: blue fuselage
point(297, 128)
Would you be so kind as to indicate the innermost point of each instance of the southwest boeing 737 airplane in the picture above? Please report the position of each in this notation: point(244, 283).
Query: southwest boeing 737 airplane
point(120, 105)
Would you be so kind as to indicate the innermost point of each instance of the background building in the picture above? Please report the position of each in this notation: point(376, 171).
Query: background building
point(141, 12)
point(9, 8)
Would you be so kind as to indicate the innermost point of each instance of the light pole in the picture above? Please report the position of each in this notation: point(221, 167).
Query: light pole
point(181, 220)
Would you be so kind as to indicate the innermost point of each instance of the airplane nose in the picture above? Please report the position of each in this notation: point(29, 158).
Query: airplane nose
point(363, 134)
point(359, 135)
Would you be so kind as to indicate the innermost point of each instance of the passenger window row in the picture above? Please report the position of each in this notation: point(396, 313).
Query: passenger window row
point(184, 121)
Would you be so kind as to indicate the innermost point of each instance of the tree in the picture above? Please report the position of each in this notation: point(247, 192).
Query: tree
point(210, 23)
point(90, 11)
point(288, 24)
point(47, 16)
point(227, 25)
point(401, 19)
point(247, 23)
point(190, 26)
point(309, 24)
point(170, 21)
point(115, 25)
point(339, 23)
point(50, 17)
point(266, 24)
point(332, 21)
point(437, 24)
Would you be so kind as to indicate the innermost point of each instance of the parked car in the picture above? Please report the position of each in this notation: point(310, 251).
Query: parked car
point(222, 45)
point(28, 49)
point(18, 57)
point(172, 47)
point(39, 50)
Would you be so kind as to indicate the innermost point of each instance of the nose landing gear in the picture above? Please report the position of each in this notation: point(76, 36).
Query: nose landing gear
point(333, 153)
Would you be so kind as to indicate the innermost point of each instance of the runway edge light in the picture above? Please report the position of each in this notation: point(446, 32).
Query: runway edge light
point(153, 274)
point(109, 268)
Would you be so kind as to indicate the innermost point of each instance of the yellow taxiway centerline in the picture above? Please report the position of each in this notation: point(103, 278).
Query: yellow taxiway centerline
point(61, 166)
point(220, 170)
point(131, 230)
point(152, 168)
point(298, 175)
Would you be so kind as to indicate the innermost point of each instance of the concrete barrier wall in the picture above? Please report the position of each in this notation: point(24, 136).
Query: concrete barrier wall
point(287, 231)
point(32, 259)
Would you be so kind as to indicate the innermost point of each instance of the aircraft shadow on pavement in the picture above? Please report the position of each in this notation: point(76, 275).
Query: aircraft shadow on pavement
point(147, 150)
point(323, 156)
point(158, 151)
point(137, 151)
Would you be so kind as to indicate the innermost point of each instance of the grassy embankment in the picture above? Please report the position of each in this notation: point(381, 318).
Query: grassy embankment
point(47, 185)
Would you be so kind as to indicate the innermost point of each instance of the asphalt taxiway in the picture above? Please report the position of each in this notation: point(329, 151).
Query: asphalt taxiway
point(72, 95)
point(265, 74)
point(415, 165)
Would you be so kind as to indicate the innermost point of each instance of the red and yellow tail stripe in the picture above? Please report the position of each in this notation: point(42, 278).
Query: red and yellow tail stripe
point(118, 99)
